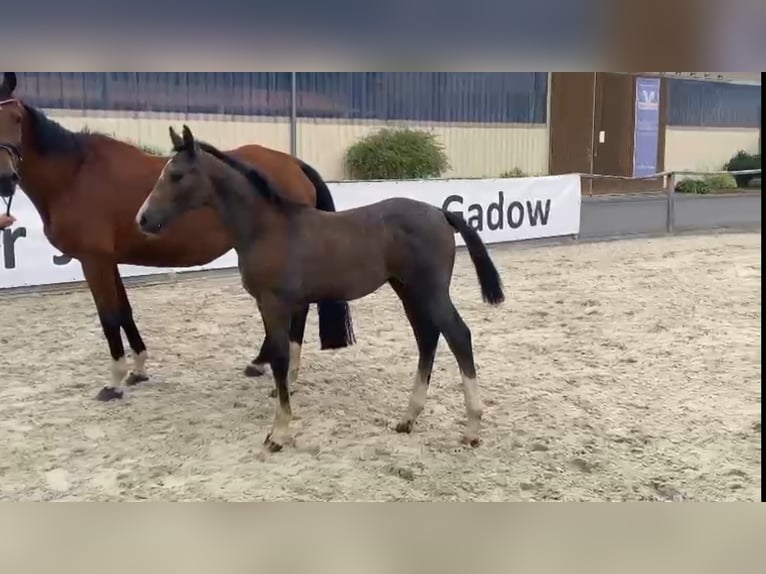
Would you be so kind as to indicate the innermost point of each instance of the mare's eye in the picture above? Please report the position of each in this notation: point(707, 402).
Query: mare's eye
point(176, 177)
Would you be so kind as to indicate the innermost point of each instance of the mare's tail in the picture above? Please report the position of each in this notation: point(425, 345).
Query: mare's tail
point(489, 278)
point(336, 329)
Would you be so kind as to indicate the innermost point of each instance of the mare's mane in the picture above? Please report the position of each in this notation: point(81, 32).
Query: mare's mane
point(53, 139)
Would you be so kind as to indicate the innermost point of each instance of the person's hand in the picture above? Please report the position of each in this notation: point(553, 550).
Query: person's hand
point(6, 220)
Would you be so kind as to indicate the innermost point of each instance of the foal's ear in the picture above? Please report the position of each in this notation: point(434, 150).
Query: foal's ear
point(178, 143)
point(9, 84)
point(189, 142)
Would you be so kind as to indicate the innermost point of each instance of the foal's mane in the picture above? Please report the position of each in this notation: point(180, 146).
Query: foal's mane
point(259, 182)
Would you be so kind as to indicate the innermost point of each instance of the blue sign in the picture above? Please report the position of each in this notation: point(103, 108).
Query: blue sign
point(647, 129)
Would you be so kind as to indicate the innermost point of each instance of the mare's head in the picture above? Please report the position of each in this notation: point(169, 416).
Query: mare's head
point(11, 115)
point(182, 186)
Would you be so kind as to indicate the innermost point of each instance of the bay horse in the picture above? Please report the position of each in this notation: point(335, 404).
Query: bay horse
point(87, 188)
point(291, 255)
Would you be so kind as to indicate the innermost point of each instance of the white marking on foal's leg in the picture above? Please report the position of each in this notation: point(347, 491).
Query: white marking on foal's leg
point(293, 368)
point(294, 365)
point(417, 404)
point(473, 410)
point(280, 431)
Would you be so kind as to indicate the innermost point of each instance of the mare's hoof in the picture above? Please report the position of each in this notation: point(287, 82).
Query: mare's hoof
point(253, 370)
point(272, 445)
point(108, 394)
point(473, 442)
point(404, 427)
point(135, 378)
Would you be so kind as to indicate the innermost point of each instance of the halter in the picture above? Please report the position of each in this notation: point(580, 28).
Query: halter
point(16, 158)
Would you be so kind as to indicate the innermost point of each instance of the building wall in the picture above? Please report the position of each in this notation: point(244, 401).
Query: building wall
point(711, 121)
point(474, 150)
point(706, 149)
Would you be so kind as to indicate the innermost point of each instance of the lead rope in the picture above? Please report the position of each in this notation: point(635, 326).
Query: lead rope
point(14, 153)
point(8, 203)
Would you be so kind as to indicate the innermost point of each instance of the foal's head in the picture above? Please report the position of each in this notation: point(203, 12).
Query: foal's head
point(11, 114)
point(183, 185)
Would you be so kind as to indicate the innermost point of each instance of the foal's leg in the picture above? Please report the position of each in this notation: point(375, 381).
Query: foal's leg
point(100, 276)
point(458, 337)
point(138, 373)
point(276, 318)
point(297, 331)
point(427, 338)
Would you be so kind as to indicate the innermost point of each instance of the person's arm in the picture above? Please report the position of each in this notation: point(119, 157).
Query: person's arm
point(6, 220)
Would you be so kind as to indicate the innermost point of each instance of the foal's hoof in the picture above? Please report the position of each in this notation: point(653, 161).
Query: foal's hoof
point(273, 393)
point(135, 378)
point(108, 394)
point(472, 441)
point(272, 445)
point(253, 370)
point(404, 427)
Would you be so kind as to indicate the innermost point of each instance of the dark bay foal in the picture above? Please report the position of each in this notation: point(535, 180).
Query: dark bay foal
point(291, 256)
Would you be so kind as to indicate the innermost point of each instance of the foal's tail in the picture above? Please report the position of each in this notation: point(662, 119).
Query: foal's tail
point(336, 329)
point(489, 278)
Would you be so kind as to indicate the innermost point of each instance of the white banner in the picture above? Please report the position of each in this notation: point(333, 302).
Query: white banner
point(501, 210)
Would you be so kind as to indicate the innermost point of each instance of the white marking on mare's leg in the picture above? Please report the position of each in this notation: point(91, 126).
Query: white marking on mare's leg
point(416, 405)
point(119, 371)
point(139, 363)
point(473, 410)
point(138, 374)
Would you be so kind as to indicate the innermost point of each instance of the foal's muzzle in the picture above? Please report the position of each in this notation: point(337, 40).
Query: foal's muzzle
point(149, 225)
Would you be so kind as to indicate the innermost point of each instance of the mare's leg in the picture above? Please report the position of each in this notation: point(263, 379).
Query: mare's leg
point(427, 338)
point(100, 276)
point(257, 367)
point(276, 318)
point(458, 337)
point(138, 373)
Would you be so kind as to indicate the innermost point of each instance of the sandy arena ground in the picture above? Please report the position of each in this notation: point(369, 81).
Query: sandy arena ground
point(616, 371)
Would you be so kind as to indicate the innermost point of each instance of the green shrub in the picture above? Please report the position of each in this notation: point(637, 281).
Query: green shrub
point(741, 161)
point(515, 172)
point(721, 182)
point(699, 186)
point(397, 154)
